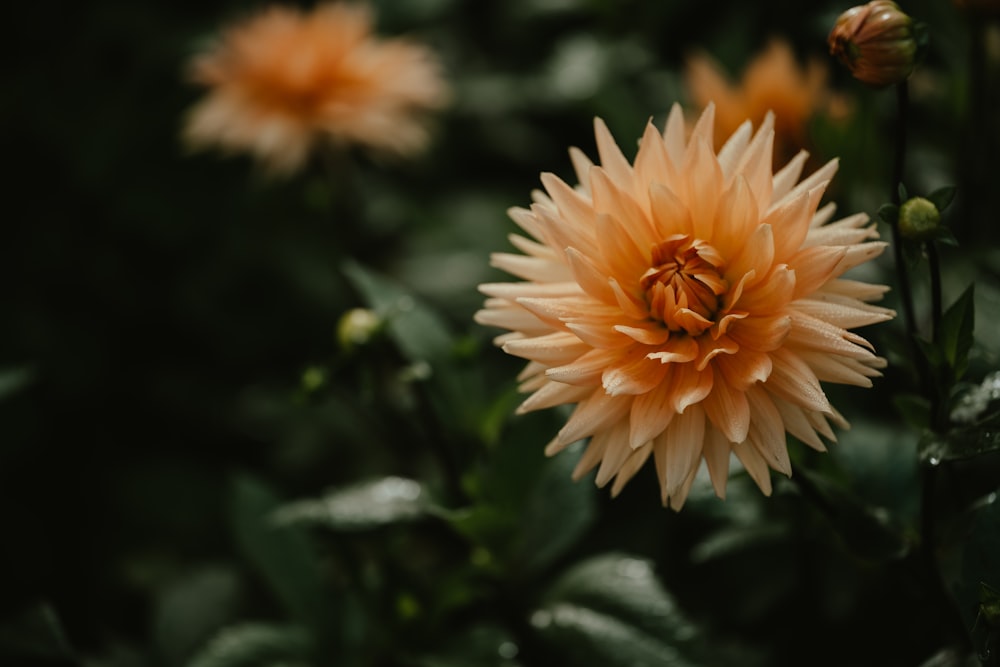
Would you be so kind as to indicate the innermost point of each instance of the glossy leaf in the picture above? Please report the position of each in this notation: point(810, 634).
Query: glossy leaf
point(945, 236)
point(625, 587)
point(280, 554)
point(366, 505)
point(612, 610)
point(484, 525)
point(479, 645)
point(888, 213)
point(581, 636)
point(256, 645)
point(866, 531)
point(979, 574)
point(955, 333)
point(989, 604)
point(975, 403)
point(35, 634)
point(416, 329)
point(557, 514)
point(963, 442)
point(192, 607)
point(942, 197)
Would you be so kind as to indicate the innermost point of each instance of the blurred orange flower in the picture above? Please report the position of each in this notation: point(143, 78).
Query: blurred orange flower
point(283, 80)
point(689, 304)
point(774, 81)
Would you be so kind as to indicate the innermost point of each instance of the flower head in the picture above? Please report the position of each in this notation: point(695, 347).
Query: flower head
point(689, 304)
point(919, 219)
point(774, 81)
point(876, 41)
point(284, 79)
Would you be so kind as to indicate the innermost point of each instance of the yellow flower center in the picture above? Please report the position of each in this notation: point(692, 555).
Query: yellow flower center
point(683, 285)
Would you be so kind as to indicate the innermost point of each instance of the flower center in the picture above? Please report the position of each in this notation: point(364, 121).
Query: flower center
point(683, 285)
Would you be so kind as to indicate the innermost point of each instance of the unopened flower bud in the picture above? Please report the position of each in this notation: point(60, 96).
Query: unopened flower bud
point(313, 378)
point(356, 327)
point(876, 42)
point(919, 219)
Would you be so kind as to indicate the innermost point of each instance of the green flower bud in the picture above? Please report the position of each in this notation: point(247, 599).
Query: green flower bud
point(877, 42)
point(919, 219)
point(313, 378)
point(356, 327)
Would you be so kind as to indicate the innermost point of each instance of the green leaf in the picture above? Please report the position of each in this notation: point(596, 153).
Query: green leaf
point(933, 353)
point(989, 604)
point(612, 610)
point(915, 409)
point(362, 506)
point(256, 645)
point(583, 637)
point(979, 572)
point(280, 554)
point(955, 333)
point(942, 197)
point(557, 514)
point(866, 531)
point(193, 606)
point(945, 236)
point(737, 538)
point(974, 404)
point(13, 380)
point(888, 213)
point(484, 525)
point(963, 442)
point(419, 333)
point(517, 460)
point(903, 195)
point(34, 634)
point(479, 645)
point(627, 588)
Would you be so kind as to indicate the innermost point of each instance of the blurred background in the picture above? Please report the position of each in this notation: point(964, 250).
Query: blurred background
point(170, 368)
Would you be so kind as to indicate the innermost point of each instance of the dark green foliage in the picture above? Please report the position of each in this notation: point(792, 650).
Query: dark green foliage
point(194, 472)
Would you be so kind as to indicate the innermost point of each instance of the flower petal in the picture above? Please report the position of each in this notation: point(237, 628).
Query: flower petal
point(728, 410)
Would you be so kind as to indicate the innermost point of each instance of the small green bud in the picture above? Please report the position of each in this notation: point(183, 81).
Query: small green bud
point(919, 219)
point(313, 378)
point(356, 327)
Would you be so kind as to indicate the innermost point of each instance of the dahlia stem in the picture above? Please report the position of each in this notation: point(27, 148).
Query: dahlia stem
point(928, 562)
point(926, 556)
point(899, 157)
point(935, 270)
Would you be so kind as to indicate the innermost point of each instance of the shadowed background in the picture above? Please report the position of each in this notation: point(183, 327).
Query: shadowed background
point(160, 309)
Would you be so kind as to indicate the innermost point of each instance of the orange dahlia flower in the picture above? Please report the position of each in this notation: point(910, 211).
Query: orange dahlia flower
point(689, 304)
point(283, 80)
point(774, 81)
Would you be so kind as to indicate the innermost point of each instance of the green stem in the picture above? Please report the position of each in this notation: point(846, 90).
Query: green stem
point(935, 270)
point(926, 556)
point(898, 162)
point(928, 562)
point(939, 402)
